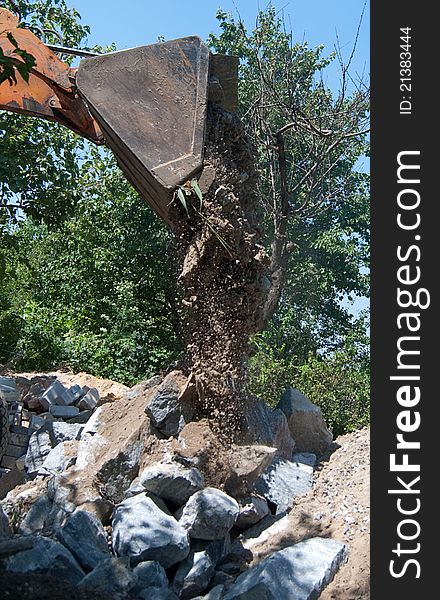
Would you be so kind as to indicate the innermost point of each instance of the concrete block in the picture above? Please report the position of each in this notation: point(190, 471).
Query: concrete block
point(8, 389)
point(9, 480)
point(77, 391)
point(90, 400)
point(36, 422)
point(66, 412)
point(20, 430)
point(52, 394)
point(66, 399)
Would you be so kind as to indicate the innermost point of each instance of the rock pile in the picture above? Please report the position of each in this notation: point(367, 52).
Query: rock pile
point(140, 500)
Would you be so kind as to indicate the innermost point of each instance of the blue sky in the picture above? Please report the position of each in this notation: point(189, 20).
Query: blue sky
point(139, 22)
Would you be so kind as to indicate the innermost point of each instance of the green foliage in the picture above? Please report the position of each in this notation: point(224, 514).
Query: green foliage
point(39, 160)
point(339, 382)
point(94, 292)
point(282, 84)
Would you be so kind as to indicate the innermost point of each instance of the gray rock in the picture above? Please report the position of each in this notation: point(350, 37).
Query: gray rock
point(283, 481)
point(267, 427)
point(215, 594)
point(35, 520)
point(63, 412)
point(116, 474)
point(13, 545)
point(140, 388)
point(305, 422)
point(216, 549)
point(172, 482)
point(299, 572)
point(166, 410)
point(5, 528)
point(144, 530)
point(223, 579)
point(112, 578)
point(44, 439)
point(58, 460)
point(82, 418)
point(305, 458)
point(63, 432)
point(85, 537)
point(47, 557)
point(151, 581)
point(90, 400)
point(193, 575)
point(209, 514)
point(62, 496)
point(39, 447)
point(252, 510)
point(246, 464)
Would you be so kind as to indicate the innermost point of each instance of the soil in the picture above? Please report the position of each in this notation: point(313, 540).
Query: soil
point(223, 271)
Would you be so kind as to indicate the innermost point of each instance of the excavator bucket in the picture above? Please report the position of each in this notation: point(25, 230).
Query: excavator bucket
point(147, 104)
point(150, 103)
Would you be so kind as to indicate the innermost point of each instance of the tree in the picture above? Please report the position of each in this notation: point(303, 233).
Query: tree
point(307, 141)
point(92, 293)
point(39, 160)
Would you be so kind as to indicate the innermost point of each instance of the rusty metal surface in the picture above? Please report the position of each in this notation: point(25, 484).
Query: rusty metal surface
point(151, 104)
point(50, 92)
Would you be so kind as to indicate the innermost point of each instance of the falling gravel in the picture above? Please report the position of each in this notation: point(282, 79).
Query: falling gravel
point(223, 270)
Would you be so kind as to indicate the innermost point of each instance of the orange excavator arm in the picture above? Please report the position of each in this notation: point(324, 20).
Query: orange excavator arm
point(50, 92)
point(147, 104)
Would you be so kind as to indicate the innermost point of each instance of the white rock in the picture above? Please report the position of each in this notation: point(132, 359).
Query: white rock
point(5, 528)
